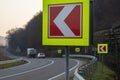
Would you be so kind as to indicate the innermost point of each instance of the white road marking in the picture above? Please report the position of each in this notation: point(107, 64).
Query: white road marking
point(28, 70)
point(29, 62)
point(64, 72)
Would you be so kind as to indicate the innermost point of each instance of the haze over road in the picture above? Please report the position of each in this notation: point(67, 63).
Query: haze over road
point(39, 69)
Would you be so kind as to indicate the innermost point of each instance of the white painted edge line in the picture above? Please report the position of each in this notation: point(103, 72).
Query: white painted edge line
point(27, 61)
point(28, 70)
point(64, 72)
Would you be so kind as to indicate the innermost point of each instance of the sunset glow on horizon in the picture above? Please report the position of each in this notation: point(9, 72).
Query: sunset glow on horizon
point(16, 13)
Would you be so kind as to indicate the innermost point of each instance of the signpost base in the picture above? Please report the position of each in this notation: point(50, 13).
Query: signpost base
point(102, 63)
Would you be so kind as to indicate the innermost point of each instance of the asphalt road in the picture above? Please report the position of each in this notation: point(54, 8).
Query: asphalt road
point(40, 69)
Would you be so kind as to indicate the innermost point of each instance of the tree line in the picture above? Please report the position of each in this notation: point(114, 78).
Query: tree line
point(27, 37)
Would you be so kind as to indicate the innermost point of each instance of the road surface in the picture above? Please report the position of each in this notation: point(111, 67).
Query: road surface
point(40, 69)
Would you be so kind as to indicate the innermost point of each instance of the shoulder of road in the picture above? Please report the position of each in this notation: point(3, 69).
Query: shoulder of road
point(9, 61)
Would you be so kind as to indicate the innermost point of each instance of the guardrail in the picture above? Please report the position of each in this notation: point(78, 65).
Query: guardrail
point(85, 72)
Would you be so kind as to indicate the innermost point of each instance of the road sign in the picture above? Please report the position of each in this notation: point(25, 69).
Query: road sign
point(102, 48)
point(66, 22)
point(77, 49)
point(59, 51)
point(60, 17)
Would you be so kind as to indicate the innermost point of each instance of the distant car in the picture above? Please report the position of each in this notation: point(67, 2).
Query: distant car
point(41, 55)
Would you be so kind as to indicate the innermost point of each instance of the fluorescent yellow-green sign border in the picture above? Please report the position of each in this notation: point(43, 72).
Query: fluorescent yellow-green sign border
point(84, 41)
point(102, 52)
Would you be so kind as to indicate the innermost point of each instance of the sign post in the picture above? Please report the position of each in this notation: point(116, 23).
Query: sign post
point(102, 49)
point(65, 23)
point(67, 63)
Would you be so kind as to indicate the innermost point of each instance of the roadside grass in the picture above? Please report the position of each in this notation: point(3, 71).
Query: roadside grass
point(107, 73)
point(3, 66)
point(71, 78)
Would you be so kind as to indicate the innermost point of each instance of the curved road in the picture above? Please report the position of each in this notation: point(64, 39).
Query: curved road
point(40, 69)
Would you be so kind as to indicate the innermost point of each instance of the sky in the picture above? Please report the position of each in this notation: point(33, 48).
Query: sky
point(16, 13)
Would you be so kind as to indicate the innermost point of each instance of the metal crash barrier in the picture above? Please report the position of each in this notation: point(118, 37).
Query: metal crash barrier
point(85, 72)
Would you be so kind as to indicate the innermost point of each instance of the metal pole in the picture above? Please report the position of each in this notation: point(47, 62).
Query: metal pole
point(116, 51)
point(102, 63)
point(85, 50)
point(99, 57)
point(91, 21)
point(67, 63)
point(95, 53)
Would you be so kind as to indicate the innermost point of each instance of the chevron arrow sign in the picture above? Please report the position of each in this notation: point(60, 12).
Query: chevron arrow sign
point(102, 48)
point(65, 20)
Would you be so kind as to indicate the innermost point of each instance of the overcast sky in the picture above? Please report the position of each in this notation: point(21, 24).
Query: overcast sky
point(16, 13)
